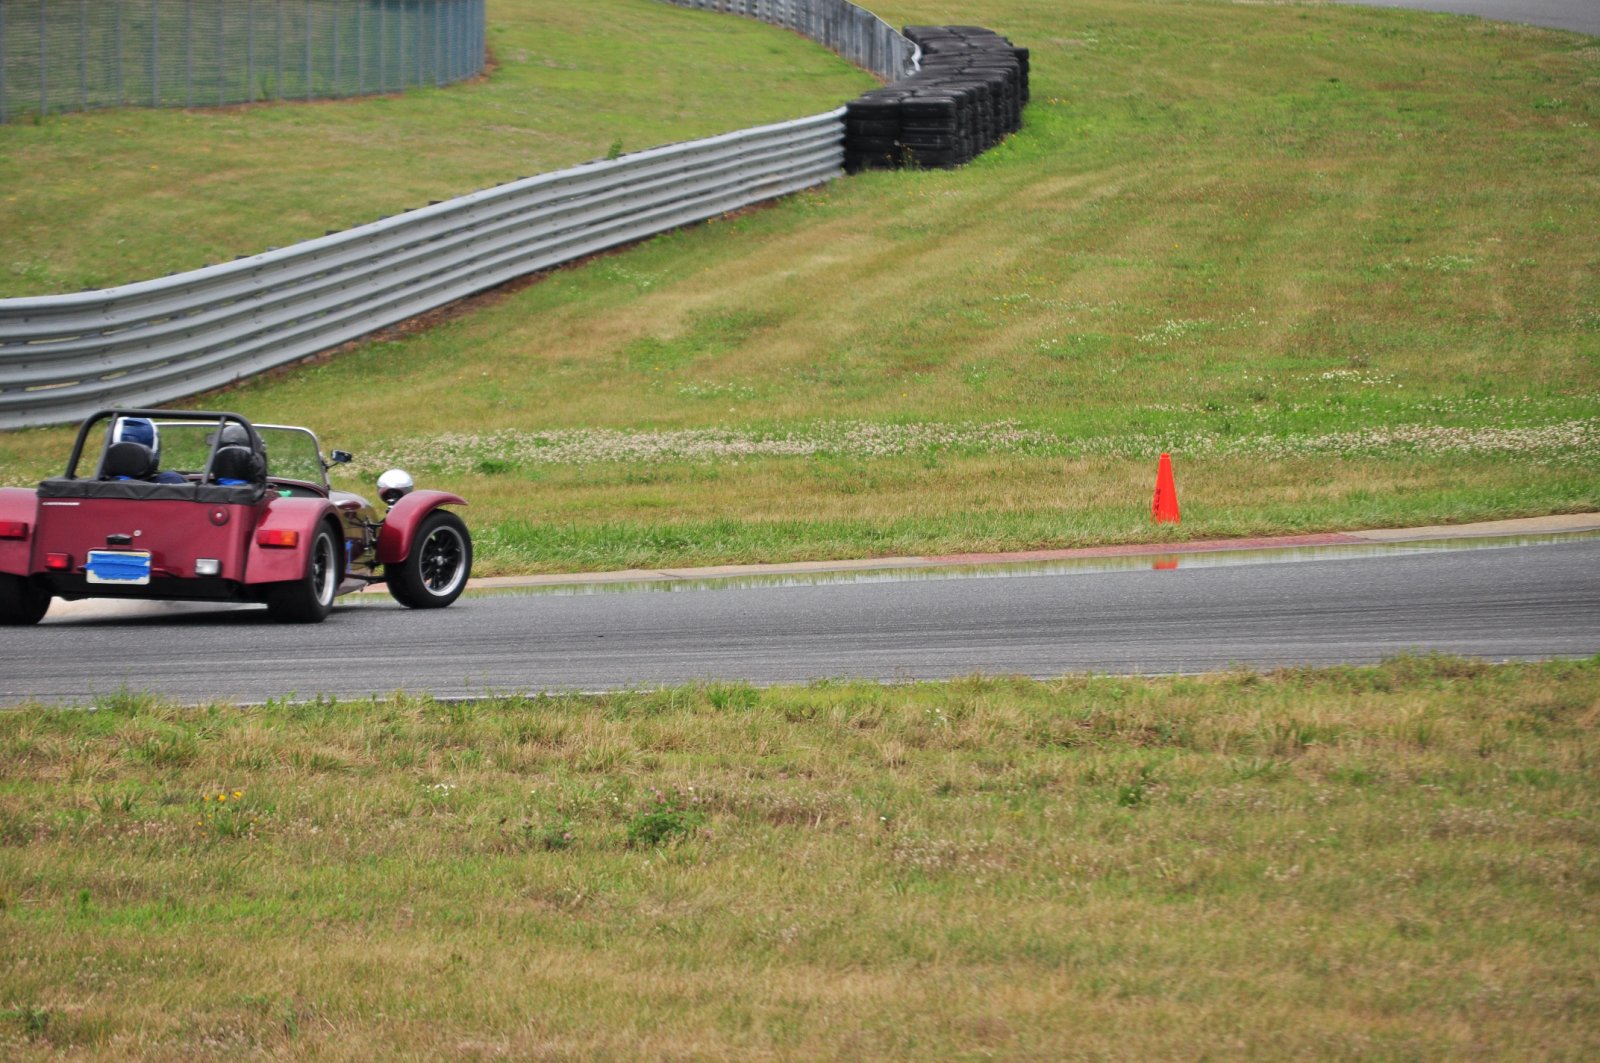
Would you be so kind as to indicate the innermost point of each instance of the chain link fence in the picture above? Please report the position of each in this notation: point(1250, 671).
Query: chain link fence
point(74, 55)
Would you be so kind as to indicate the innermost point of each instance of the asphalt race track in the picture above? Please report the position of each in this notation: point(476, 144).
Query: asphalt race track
point(1580, 16)
point(1509, 602)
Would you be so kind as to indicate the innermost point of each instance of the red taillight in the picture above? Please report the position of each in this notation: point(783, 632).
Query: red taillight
point(277, 537)
point(13, 529)
point(58, 562)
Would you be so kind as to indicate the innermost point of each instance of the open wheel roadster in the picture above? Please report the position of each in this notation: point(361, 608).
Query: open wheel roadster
point(186, 506)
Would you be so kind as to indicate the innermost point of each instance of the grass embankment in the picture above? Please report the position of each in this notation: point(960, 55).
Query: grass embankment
point(1385, 863)
point(1340, 262)
point(104, 198)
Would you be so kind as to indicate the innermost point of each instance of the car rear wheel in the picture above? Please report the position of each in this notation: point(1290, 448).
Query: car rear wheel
point(22, 601)
point(435, 572)
point(309, 599)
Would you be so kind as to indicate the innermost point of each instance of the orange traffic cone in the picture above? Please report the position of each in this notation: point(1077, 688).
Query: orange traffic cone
point(1164, 507)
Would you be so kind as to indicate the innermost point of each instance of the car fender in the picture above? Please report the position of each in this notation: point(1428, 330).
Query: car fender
point(275, 564)
point(18, 503)
point(400, 527)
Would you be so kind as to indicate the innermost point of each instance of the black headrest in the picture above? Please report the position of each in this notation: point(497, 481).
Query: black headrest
point(133, 460)
point(237, 463)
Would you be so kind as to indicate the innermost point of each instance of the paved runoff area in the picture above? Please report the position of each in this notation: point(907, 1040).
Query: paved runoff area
point(1578, 16)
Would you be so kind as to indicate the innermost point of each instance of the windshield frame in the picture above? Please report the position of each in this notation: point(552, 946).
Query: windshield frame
point(292, 453)
point(185, 421)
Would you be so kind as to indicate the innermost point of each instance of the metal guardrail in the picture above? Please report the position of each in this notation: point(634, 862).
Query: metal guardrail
point(74, 55)
point(64, 356)
point(838, 25)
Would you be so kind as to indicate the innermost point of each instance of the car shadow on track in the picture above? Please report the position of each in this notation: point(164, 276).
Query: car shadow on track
point(107, 613)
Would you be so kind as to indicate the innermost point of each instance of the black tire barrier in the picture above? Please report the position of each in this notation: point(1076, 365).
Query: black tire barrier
point(965, 99)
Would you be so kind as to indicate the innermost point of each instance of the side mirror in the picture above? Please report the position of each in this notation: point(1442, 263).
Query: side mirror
point(341, 457)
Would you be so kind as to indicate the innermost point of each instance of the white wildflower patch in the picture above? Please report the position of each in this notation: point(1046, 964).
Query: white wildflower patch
point(640, 281)
point(1450, 263)
point(1170, 331)
point(1352, 376)
point(1572, 439)
point(716, 391)
point(1561, 442)
point(461, 452)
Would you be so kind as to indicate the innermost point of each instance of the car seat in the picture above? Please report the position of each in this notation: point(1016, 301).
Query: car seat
point(236, 466)
point(127, 461)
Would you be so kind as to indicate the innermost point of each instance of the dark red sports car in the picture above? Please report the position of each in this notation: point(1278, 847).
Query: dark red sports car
point(176, 505)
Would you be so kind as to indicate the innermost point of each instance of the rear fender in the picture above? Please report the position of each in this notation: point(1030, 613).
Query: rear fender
point(18, 503)
point(400, 527)
point(275, 564)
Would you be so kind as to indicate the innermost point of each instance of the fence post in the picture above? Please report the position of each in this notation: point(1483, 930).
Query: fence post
point(250, 51)
point(309, 36)
point(44, 64)
point(2, 64)
point(83, 54)
point(361, 49)
point(188, 53)
point(338, 84)
point(279, 87)
point(155, 56)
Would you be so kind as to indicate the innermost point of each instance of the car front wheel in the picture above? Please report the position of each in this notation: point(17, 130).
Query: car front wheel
point(21, 601)
point(309, 599)
point(435, 572)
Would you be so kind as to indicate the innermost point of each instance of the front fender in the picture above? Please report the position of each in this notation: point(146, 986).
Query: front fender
point(18, 503)
point(400, 527)
point(275, 564)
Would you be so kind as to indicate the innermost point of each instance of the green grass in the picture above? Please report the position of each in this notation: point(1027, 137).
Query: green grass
point(1339, 262)
point(1395, 862)
point(147, 192)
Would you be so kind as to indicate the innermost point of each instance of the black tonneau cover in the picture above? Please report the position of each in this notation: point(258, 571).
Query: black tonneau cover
point(140, 490)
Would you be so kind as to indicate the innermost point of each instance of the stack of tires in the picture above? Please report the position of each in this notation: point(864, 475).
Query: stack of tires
point(967, 96)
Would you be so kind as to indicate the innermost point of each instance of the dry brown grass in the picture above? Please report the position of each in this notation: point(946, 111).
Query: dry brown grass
point(1392, 862)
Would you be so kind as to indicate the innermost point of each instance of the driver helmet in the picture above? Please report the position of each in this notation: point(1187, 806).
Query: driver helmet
point(141, 430)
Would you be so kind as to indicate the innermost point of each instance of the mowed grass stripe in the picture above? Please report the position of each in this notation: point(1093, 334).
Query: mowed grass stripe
point(1337, 261)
